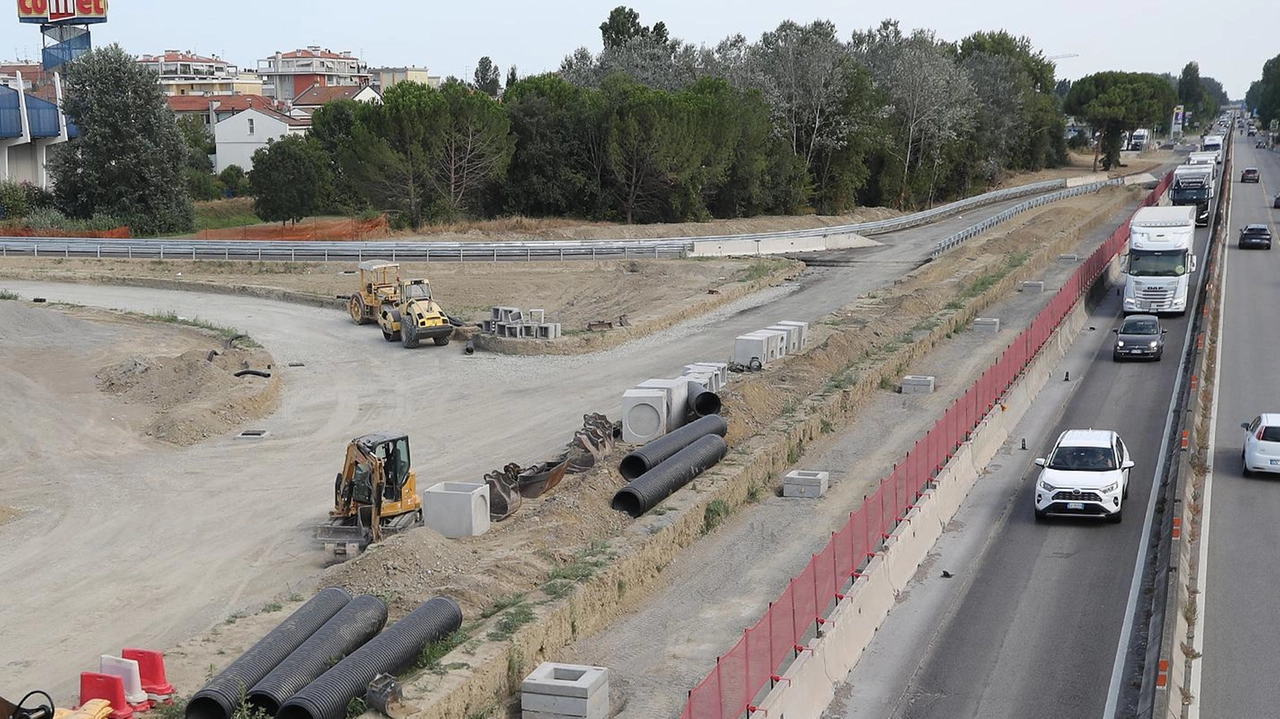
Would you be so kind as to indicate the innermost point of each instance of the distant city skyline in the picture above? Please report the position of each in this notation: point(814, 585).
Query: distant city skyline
point(448, 39)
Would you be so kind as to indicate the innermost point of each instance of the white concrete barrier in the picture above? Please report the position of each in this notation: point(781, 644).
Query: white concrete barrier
point(1088, 179)
point(808, 685)
point(779, 245)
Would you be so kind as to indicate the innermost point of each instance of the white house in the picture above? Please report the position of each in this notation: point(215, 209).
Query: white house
point(239, 136)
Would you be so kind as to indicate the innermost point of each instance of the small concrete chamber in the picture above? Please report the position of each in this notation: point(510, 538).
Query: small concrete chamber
point(804, 331)
point(644, 415)
point(804, 483)
point(793, 336)
point(565, 691)
point(751, 346)
point(677, 391)
point(777, 342)
point(916, 384)
point(1033, 286)
point(457, 509)
point(720, 368)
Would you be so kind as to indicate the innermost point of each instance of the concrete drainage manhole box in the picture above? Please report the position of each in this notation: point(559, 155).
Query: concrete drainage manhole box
point(252, 434)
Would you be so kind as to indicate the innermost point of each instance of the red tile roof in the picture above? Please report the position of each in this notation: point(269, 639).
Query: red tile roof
point(318, 95)
point(226, 103)
point(286, 119)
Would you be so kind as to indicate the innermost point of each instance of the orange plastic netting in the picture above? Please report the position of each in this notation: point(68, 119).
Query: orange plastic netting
point(332, 230)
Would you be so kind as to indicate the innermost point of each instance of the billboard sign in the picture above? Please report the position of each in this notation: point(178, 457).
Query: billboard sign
point(52, 12)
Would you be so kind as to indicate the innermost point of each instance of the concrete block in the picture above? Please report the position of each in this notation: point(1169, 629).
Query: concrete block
point(709, 380)
point(804, 483)
point(748, 346)
point(495, 313)
point(566, 680)
point(989, 325)
point(1068, 258)
point(503, 314)
point(549, 330)
point(804, 330)
point(793, 336)
point(917, 384)
point(457, 509)
point(596, 705)
point(537, 316)
point(777, 342)
point(1033, 286)
point(516, 316)
point(677, 392)
point(512, 330)
point(644, 415)
point(721, 368)
point(528, 331)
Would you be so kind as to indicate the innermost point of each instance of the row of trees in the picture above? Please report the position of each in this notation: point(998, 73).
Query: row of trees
point(1264, 93)
point(649, 129)
point(655, 129)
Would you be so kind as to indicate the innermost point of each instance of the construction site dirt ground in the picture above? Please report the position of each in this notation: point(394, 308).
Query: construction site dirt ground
point(237, 512)
point(716, 589)
point(571, 293)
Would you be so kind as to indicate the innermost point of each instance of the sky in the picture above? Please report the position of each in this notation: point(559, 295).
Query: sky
point(449, 37)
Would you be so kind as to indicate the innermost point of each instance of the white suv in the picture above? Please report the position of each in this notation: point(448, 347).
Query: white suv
point(1087, 473)
point(1261, 451)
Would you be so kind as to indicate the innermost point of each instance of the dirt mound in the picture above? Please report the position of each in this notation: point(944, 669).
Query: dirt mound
point(196, 394)
point(24, 324)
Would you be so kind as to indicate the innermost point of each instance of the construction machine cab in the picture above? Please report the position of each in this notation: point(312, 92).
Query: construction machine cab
point(375, 494)
point(379, 284)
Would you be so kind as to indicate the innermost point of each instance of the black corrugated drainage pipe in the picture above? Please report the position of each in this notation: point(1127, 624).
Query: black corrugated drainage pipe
point(643, 459)
point(389, 652)
point(662, 481)
point(220, 697)
point(702, 401)
point(347, 631)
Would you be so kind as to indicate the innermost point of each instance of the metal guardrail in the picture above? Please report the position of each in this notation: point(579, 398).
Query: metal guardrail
point(1005, 215)
point(311, 251)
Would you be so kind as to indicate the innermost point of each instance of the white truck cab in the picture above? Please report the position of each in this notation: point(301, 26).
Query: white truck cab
point(1160, 260)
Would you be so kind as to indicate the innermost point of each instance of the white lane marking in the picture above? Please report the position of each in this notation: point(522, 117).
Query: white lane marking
point(1140, 565)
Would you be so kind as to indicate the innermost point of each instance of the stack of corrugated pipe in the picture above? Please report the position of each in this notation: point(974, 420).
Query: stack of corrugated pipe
point(659, 468)
point(322, 656)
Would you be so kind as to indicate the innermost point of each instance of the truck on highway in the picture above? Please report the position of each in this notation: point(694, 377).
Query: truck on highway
point(1204, 158)
point(1193, 185)
point(1213, 143)
point(1160, 260)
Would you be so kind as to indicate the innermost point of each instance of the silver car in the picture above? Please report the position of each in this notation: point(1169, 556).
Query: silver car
point(1139, 337)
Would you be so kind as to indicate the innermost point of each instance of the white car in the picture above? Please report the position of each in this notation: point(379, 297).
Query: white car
point(1261, 451)
point(1087, 473)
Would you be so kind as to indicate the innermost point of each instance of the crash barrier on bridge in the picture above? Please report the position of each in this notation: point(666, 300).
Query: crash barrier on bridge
point(1006, 215)
point(755, 664)
point(294, 251)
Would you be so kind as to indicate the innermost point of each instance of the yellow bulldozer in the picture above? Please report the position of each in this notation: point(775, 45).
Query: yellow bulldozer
point(414, 316)
point(374, 496)
point(379, 285)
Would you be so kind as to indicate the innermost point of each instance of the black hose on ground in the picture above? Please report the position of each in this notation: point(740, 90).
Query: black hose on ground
point(389, 652)
point(347, 631)
point(643, 459)
point(470, 348)
point(662, 481)
point(254, 372)
point(702, 401)
point(221, 696)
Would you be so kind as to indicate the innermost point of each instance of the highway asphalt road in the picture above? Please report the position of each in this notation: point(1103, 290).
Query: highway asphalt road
point(476, 413)
point(1241, 605)
point(1030, 621)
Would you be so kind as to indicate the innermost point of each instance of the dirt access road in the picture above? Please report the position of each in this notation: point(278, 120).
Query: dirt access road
point(174, 540)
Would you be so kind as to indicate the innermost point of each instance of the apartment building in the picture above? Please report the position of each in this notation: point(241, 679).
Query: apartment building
point(286, 75)
point(186, 73)
point(387, 77)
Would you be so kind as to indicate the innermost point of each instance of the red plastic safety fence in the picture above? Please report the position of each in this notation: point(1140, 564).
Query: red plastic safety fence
point(731, 688)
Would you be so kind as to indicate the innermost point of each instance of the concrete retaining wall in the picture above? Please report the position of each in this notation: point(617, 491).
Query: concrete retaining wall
point(808, 685)
point(1087, 179)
